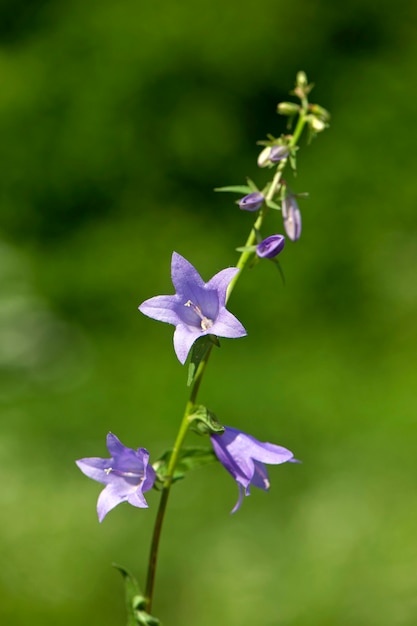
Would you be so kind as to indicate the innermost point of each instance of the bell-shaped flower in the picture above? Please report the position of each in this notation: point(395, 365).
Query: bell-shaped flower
point(126, 475)
point(270, 247)
point(244, 457)
point(251, 202)
point(292, 217)
point(197, 308)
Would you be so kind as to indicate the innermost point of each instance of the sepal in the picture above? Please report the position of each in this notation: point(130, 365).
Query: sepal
point(204, 422)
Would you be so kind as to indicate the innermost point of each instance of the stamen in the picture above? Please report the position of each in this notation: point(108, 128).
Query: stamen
point(206, 322)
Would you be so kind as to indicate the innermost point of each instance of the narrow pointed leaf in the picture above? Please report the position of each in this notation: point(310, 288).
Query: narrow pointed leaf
point(235, 188)
point(132, 595)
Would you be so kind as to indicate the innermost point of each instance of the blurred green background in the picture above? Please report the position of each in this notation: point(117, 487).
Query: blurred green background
point(117, 120)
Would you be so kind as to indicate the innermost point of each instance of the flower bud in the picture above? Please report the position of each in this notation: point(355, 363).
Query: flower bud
point(292, 217)
point(270, 247)
point(301, 80)
point(263, 158)
point(251, 202)
point(320, 112)
point(272, 154)
point(277, 153)
point(317, 124)
point(288, 108)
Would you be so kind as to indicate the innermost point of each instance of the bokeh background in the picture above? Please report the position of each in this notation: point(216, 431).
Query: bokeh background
point(117, 120)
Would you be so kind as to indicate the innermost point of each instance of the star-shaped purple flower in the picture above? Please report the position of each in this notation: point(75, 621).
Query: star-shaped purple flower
point(126, 476)
point(197, 308)
point(244, 457)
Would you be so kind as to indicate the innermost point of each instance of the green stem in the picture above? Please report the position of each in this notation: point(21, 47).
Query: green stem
point(182, 432)
point(166, 487)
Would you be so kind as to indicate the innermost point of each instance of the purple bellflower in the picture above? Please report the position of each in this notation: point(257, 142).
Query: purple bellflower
point(251, 202)
point(244, 457)
point(126, 476)
point(197, 308)
point(292, 217)
point(270, 247)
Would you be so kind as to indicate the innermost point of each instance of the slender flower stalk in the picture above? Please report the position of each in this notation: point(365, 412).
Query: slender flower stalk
point(243, 261)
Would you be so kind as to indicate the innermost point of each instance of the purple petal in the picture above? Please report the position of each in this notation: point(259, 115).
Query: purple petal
point(161, 308)
point(260, 477)
point(109, 498)
point(221, 281)
point(237, 465)
point(184, 337)
point(94, 468)
point(267, 452)
point(183, 273)
point(227, 325)
point(114, 445)
point(137, 499)
point(239, 501)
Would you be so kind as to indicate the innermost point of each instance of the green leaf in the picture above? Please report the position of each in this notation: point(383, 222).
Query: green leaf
point(199, 353)
point(189, 459)
point(135, 601)
point(235, 189)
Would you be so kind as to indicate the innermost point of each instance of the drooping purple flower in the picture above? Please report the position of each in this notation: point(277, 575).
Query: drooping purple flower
point(197, 308)
point(126, 476)
point(244, 457)
point(270, 247)
point(252, 202)
point(292, 217)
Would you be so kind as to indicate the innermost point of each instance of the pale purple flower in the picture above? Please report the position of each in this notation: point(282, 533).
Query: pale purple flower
point(197, 308)
point(292, 217)
point(126, 476)
point(252, 202)
point(270, 247)
point(244, 457)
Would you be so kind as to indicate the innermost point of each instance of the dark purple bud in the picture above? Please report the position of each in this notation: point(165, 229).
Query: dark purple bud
point(277, 153)
point(292, 217)
point(252, 202)
point(270, 247)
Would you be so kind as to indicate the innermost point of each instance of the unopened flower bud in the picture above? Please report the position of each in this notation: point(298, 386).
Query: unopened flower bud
point(301, 80)
point(320, 112)
point(277, 153)
point(288, 108)
point(263, 158)
point(292, 217)
point(251, 202)
point(317, 124)
point(272, 154)
point(270, 247)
